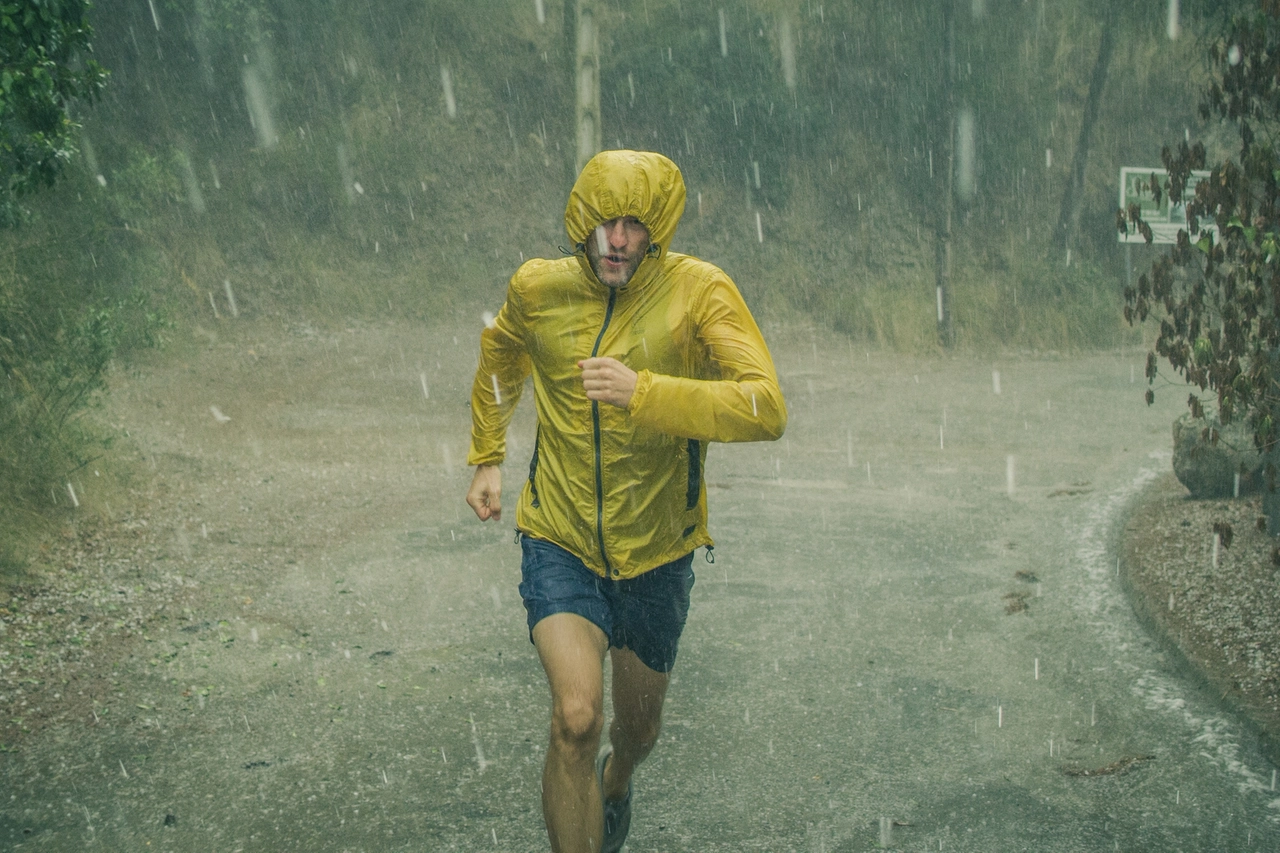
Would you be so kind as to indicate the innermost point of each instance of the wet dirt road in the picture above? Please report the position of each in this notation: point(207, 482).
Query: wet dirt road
point(912, 636)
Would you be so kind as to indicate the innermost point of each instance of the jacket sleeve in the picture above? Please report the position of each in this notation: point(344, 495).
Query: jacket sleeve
point(744, 403)
point(499, 381)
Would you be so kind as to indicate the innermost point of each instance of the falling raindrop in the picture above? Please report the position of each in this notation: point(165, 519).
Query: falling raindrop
point(426, 395)
point(231, 298)
point(759, 228)
point(1174, 22)
point(475, 741)
point(788, 49)
point(540, 11)
point(258, 102)
point(446, 82)
point(1037, 669)
point(155, 19)
point(1233, 54)
point(71, 491)
point(965, 154)
point(1048, 158)
point(497, 394)
point(886, 833)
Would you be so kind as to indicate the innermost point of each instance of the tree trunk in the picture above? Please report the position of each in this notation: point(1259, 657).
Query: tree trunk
point(1073, 195)
point(942, 231)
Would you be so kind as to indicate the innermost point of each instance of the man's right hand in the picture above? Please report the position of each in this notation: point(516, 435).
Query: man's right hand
point(485, 494)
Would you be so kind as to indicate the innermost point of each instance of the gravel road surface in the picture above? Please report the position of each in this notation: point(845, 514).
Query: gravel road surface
point(913, 635)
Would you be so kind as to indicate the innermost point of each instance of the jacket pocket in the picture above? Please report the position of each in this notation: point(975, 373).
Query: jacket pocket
point(694, 487)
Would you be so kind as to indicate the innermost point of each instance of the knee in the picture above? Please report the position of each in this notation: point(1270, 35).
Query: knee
point(576, 725)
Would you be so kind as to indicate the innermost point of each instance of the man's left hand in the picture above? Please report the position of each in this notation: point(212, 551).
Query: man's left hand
point(608, 380)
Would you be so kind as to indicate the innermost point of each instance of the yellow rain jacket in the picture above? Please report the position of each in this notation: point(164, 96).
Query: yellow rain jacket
point(622, 489)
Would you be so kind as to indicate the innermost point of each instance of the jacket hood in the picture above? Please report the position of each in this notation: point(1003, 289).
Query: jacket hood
point(642, 184)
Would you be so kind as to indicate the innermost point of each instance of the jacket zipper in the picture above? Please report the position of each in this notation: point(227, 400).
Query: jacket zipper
point(595, 427)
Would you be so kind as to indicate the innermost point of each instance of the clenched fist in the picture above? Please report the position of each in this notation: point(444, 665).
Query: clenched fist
point(608, 380)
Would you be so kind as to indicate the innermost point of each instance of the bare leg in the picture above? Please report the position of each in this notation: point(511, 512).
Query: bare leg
point(638, 694)
point(572, 652)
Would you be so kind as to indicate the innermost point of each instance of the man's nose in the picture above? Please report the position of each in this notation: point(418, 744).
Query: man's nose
point(616, 232)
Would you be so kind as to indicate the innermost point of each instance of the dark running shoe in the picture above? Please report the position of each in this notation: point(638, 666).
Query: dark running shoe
point(617, 813)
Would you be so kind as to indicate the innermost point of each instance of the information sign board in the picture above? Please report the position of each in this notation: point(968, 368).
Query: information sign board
point(1164, 217)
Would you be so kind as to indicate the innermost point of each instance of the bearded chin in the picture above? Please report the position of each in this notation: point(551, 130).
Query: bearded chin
point(630, 271)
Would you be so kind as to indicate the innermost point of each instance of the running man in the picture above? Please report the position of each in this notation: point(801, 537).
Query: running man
point(640, 357)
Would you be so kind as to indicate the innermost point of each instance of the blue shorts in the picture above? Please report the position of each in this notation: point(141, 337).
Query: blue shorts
point(645, 614)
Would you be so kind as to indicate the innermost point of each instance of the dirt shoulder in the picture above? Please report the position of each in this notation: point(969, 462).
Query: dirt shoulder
point(1220, 621)
point(246, 451)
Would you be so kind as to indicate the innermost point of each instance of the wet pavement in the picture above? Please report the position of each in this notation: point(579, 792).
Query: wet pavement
point(913, 635)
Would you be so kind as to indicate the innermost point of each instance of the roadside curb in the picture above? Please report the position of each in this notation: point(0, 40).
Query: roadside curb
point(1149, 602)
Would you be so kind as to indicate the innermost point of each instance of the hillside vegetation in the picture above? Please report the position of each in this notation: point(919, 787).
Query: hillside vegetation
point(320, 160)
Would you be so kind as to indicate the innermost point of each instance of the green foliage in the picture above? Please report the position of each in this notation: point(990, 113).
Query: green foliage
point(1218, 298)
point(43, 71)
point(51, 366)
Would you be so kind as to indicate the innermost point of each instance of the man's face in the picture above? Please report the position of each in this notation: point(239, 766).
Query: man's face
point(616, 248)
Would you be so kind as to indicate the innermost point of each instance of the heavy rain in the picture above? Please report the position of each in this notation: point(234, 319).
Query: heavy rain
point(247, 270)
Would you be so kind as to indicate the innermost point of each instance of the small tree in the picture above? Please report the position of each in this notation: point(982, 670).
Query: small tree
point(44, 68)
point(1219, 294)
